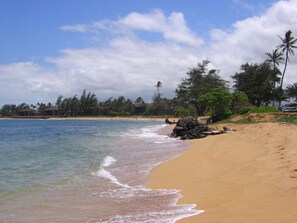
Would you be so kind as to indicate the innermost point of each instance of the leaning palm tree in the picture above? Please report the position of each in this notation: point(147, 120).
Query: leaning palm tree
point(287, 47)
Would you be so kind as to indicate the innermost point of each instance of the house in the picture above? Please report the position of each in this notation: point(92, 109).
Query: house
point(25, 112)
point(139, 108)
point(53, 111)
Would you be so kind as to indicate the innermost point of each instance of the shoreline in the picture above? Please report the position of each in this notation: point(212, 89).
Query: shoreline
point(249, 175)
point(93, 118)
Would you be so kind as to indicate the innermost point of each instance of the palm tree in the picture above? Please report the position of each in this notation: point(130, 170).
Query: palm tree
point(292, 90)
point(275, 58)
point(287, 47)
point(158, 86)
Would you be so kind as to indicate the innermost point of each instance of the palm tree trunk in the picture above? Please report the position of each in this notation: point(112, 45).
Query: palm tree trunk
point(282, 80)
point(274, 82)
point(285, 68)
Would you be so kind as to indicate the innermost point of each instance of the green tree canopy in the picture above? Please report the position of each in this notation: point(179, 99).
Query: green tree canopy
point(139, 100)
point(199, 81)
point(9, 110)
point(221, 103)
point(218, 101)
point(257, 82)
point(291, 90)
point(88, 103)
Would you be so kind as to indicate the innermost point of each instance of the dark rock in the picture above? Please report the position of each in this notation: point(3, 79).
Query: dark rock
point(189, 129)
point(167, 121)
point(192, 129)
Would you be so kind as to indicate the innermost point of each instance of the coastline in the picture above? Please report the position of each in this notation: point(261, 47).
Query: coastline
point(249, 175)
point(100, 177)
point(96, 118)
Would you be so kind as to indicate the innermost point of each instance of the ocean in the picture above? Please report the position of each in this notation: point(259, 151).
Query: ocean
point(86, 171)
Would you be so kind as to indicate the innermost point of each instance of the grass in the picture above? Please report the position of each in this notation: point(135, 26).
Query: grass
point(292, 119)
point(263, 109)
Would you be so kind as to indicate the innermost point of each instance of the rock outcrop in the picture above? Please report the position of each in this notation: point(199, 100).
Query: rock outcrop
point(191, 129)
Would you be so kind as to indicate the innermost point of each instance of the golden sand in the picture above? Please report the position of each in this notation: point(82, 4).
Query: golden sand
point(245, 176)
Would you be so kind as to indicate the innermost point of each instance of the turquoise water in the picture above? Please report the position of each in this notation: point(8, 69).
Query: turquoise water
point(49, 164)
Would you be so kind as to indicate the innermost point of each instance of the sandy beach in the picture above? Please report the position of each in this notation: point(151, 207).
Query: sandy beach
point(245, 176)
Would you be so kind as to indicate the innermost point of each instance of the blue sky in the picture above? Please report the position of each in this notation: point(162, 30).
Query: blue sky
point(123, 47)
point(30, 28)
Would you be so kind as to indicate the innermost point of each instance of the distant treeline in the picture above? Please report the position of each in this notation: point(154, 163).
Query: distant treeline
point(201, 92)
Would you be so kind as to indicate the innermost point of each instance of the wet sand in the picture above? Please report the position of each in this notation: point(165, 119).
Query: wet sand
point(249, 175)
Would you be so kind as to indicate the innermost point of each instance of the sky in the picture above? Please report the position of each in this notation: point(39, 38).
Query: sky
point(124, 47)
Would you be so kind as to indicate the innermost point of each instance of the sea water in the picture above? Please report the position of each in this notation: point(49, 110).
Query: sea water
point(85, 171)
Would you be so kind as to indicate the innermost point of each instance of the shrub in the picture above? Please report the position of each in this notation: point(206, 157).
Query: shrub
point(182, 112)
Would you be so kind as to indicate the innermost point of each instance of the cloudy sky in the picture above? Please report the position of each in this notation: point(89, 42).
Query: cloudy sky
point(124, 47)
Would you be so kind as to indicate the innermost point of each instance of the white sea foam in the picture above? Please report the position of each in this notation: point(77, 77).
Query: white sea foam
point(166, 216)
point(109, 160)
point(149, 134)
point(107, 175)
point(123, 191)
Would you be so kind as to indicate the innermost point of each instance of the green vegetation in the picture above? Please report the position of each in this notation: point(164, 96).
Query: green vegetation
point(262, 109)
point(221, 103)
point(292, 119)
point(291, 91)
point(256, 89)
point(257, 81)
point(199, 81)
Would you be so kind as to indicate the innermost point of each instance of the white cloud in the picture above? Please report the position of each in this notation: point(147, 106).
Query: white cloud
point(248, 40)
point(131, 66)
point(128, 67)
point(172, 28)
point(75, 28)
point(27, 82)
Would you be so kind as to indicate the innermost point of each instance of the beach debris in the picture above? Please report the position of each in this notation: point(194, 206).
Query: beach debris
point(187, 128)
point(167, 121)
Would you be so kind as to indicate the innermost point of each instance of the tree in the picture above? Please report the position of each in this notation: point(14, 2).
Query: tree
point(70, 106)
point(9, 110)
point(58, 103)
point(199, 81)
point(41, 107)
point(218, 102)
point(157, 95)
point(74, 104)
point(274, 59)
point(117, 107)
point(221, 103)
point(256, 81)
point(238, 102)
point(158, 86)
point(88, 103)
point(139, 100)
point(291, 90)
point(23, 106)
point(287, 47)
